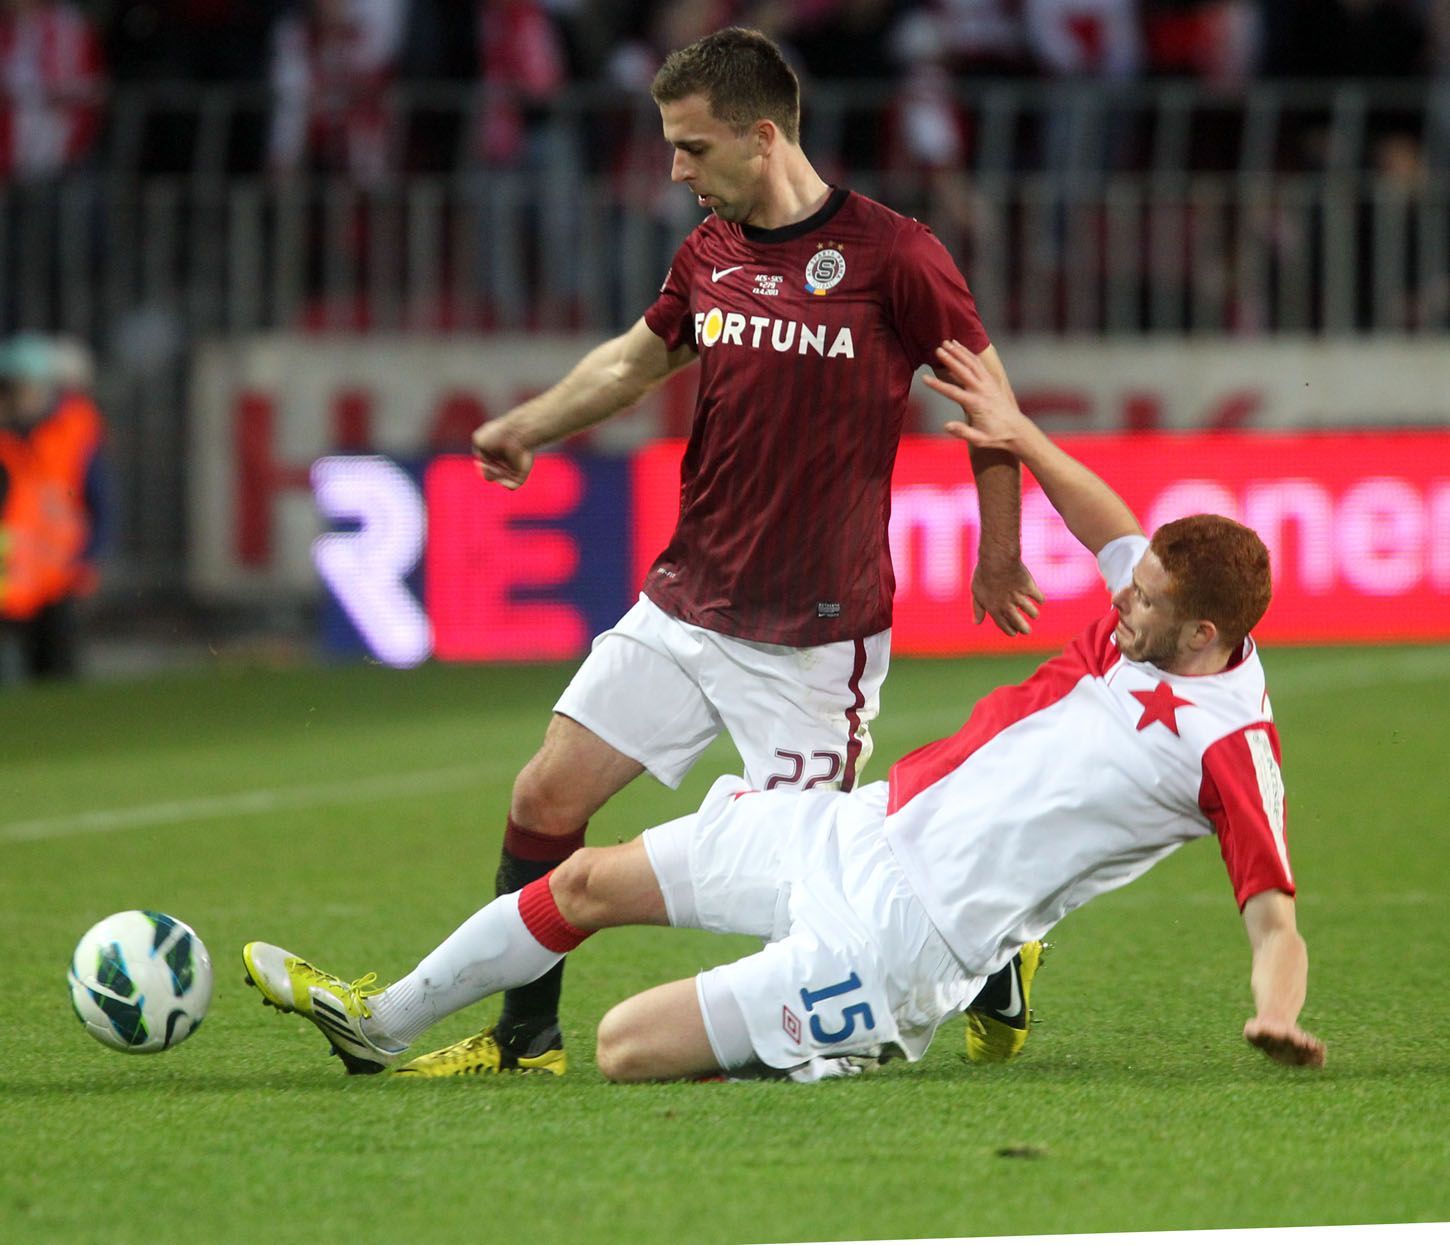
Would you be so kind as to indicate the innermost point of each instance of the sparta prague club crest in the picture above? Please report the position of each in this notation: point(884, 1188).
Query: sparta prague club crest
point(824, 271)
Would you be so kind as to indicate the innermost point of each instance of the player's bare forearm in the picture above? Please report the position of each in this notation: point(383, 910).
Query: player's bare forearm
point(1093, 512)
point(610, 378)
point(999, 499)
point(1279, 979)
point(999, 484)
point(1002, 587)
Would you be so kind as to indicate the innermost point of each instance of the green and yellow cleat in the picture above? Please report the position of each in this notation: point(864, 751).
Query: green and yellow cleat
point(483, 1055)
point(1001, 1016)
point(338, 1008)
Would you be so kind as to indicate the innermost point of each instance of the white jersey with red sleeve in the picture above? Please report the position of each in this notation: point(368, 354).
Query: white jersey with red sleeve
point(1079, 780)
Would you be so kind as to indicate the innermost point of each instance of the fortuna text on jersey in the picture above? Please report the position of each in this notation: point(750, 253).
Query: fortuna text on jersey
point(731, 328)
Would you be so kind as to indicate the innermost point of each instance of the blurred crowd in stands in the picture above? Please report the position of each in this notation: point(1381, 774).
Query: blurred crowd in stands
point(526, 110)
point(326, 65)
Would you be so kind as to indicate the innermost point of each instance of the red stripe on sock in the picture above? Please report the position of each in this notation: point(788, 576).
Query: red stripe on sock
point(528, 844)
point(544, 921)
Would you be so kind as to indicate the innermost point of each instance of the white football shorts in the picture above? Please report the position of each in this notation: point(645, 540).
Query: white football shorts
point(660, 690)
point(854, 966)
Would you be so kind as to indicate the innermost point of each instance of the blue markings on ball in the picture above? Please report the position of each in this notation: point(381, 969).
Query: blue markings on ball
point(164, 925)
point(111, 970)
point(127, 1018)
point(179, 961)
point(178, 956)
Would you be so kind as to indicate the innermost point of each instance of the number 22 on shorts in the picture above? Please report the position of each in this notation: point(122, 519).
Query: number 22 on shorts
point(849, 1014)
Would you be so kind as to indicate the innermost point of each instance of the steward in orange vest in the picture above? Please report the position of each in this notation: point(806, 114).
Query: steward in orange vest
point(49, 446)
point(45, 523)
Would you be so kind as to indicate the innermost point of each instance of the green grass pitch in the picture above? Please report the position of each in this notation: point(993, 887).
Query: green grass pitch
point(354, 816)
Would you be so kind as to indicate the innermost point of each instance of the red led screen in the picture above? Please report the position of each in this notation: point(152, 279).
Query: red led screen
point(1358, 525)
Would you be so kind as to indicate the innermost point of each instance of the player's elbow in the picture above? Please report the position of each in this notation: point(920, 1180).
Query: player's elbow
point(1269, 915)
point(629, 381)
point(1280, 962)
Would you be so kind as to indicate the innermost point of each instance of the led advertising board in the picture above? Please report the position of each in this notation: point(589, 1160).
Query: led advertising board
point(427, 560)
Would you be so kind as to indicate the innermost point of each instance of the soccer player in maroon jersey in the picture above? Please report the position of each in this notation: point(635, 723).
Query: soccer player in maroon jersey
point(809, 308)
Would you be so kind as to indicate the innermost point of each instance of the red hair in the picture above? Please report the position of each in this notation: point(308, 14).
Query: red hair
point(1220, 571)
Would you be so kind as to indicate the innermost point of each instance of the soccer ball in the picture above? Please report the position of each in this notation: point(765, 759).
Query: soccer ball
point(140, 982)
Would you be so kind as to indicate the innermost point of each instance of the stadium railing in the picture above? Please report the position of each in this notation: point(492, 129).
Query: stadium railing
point(1150, 209)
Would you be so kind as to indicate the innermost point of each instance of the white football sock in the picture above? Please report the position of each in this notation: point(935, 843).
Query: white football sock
point(489, 952)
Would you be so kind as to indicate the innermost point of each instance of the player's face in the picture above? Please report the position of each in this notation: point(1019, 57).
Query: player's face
point(1149, 626)
point(721, 167)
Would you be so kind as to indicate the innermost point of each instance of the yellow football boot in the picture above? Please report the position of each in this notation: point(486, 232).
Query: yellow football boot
point(482, 1055)
point(1001, 1016)
point(336, 1007)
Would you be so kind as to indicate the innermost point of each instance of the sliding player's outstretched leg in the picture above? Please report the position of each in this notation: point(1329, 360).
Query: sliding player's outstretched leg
point(527, 1037)
point(512, 941)
point(569, 778)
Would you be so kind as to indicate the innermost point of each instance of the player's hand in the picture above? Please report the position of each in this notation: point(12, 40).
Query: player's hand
point(1287, 1044)
point(1007, 592)
point(501, 454)
point(993, 420)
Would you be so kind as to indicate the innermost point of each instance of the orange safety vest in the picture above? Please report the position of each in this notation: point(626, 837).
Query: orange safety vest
point(44, 524)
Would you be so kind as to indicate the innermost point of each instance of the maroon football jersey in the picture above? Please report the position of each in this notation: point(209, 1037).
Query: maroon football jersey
point(808, 338)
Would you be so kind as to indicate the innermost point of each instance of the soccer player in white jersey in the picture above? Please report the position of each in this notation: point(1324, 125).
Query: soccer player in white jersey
point(887, 908)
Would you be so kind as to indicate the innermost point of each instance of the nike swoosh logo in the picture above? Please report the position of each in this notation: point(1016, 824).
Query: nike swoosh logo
point(1014, 1000)
point(717, 273)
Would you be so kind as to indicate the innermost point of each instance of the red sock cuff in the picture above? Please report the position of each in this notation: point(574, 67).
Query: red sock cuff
point(544, 921)
point(526, 844)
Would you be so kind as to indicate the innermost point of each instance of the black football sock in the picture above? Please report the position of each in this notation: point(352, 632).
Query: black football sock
point(530, 1015)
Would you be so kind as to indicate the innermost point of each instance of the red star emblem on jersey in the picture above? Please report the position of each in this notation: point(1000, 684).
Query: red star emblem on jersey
point(1160, 705)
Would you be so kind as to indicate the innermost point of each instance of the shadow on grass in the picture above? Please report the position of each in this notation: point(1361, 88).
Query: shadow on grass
point(1223, 1067)
point(40, 1087)
point(1043, 1074)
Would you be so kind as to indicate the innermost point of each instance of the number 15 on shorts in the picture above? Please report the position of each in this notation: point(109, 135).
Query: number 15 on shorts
point(838, 1009)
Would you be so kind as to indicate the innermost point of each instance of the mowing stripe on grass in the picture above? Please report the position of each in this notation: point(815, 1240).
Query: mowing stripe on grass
point(244, 803)
point(1334, 673)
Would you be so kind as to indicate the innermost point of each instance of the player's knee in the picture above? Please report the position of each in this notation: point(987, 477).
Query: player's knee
point(579, 898)
point(623, 1053)
point(544, 804)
